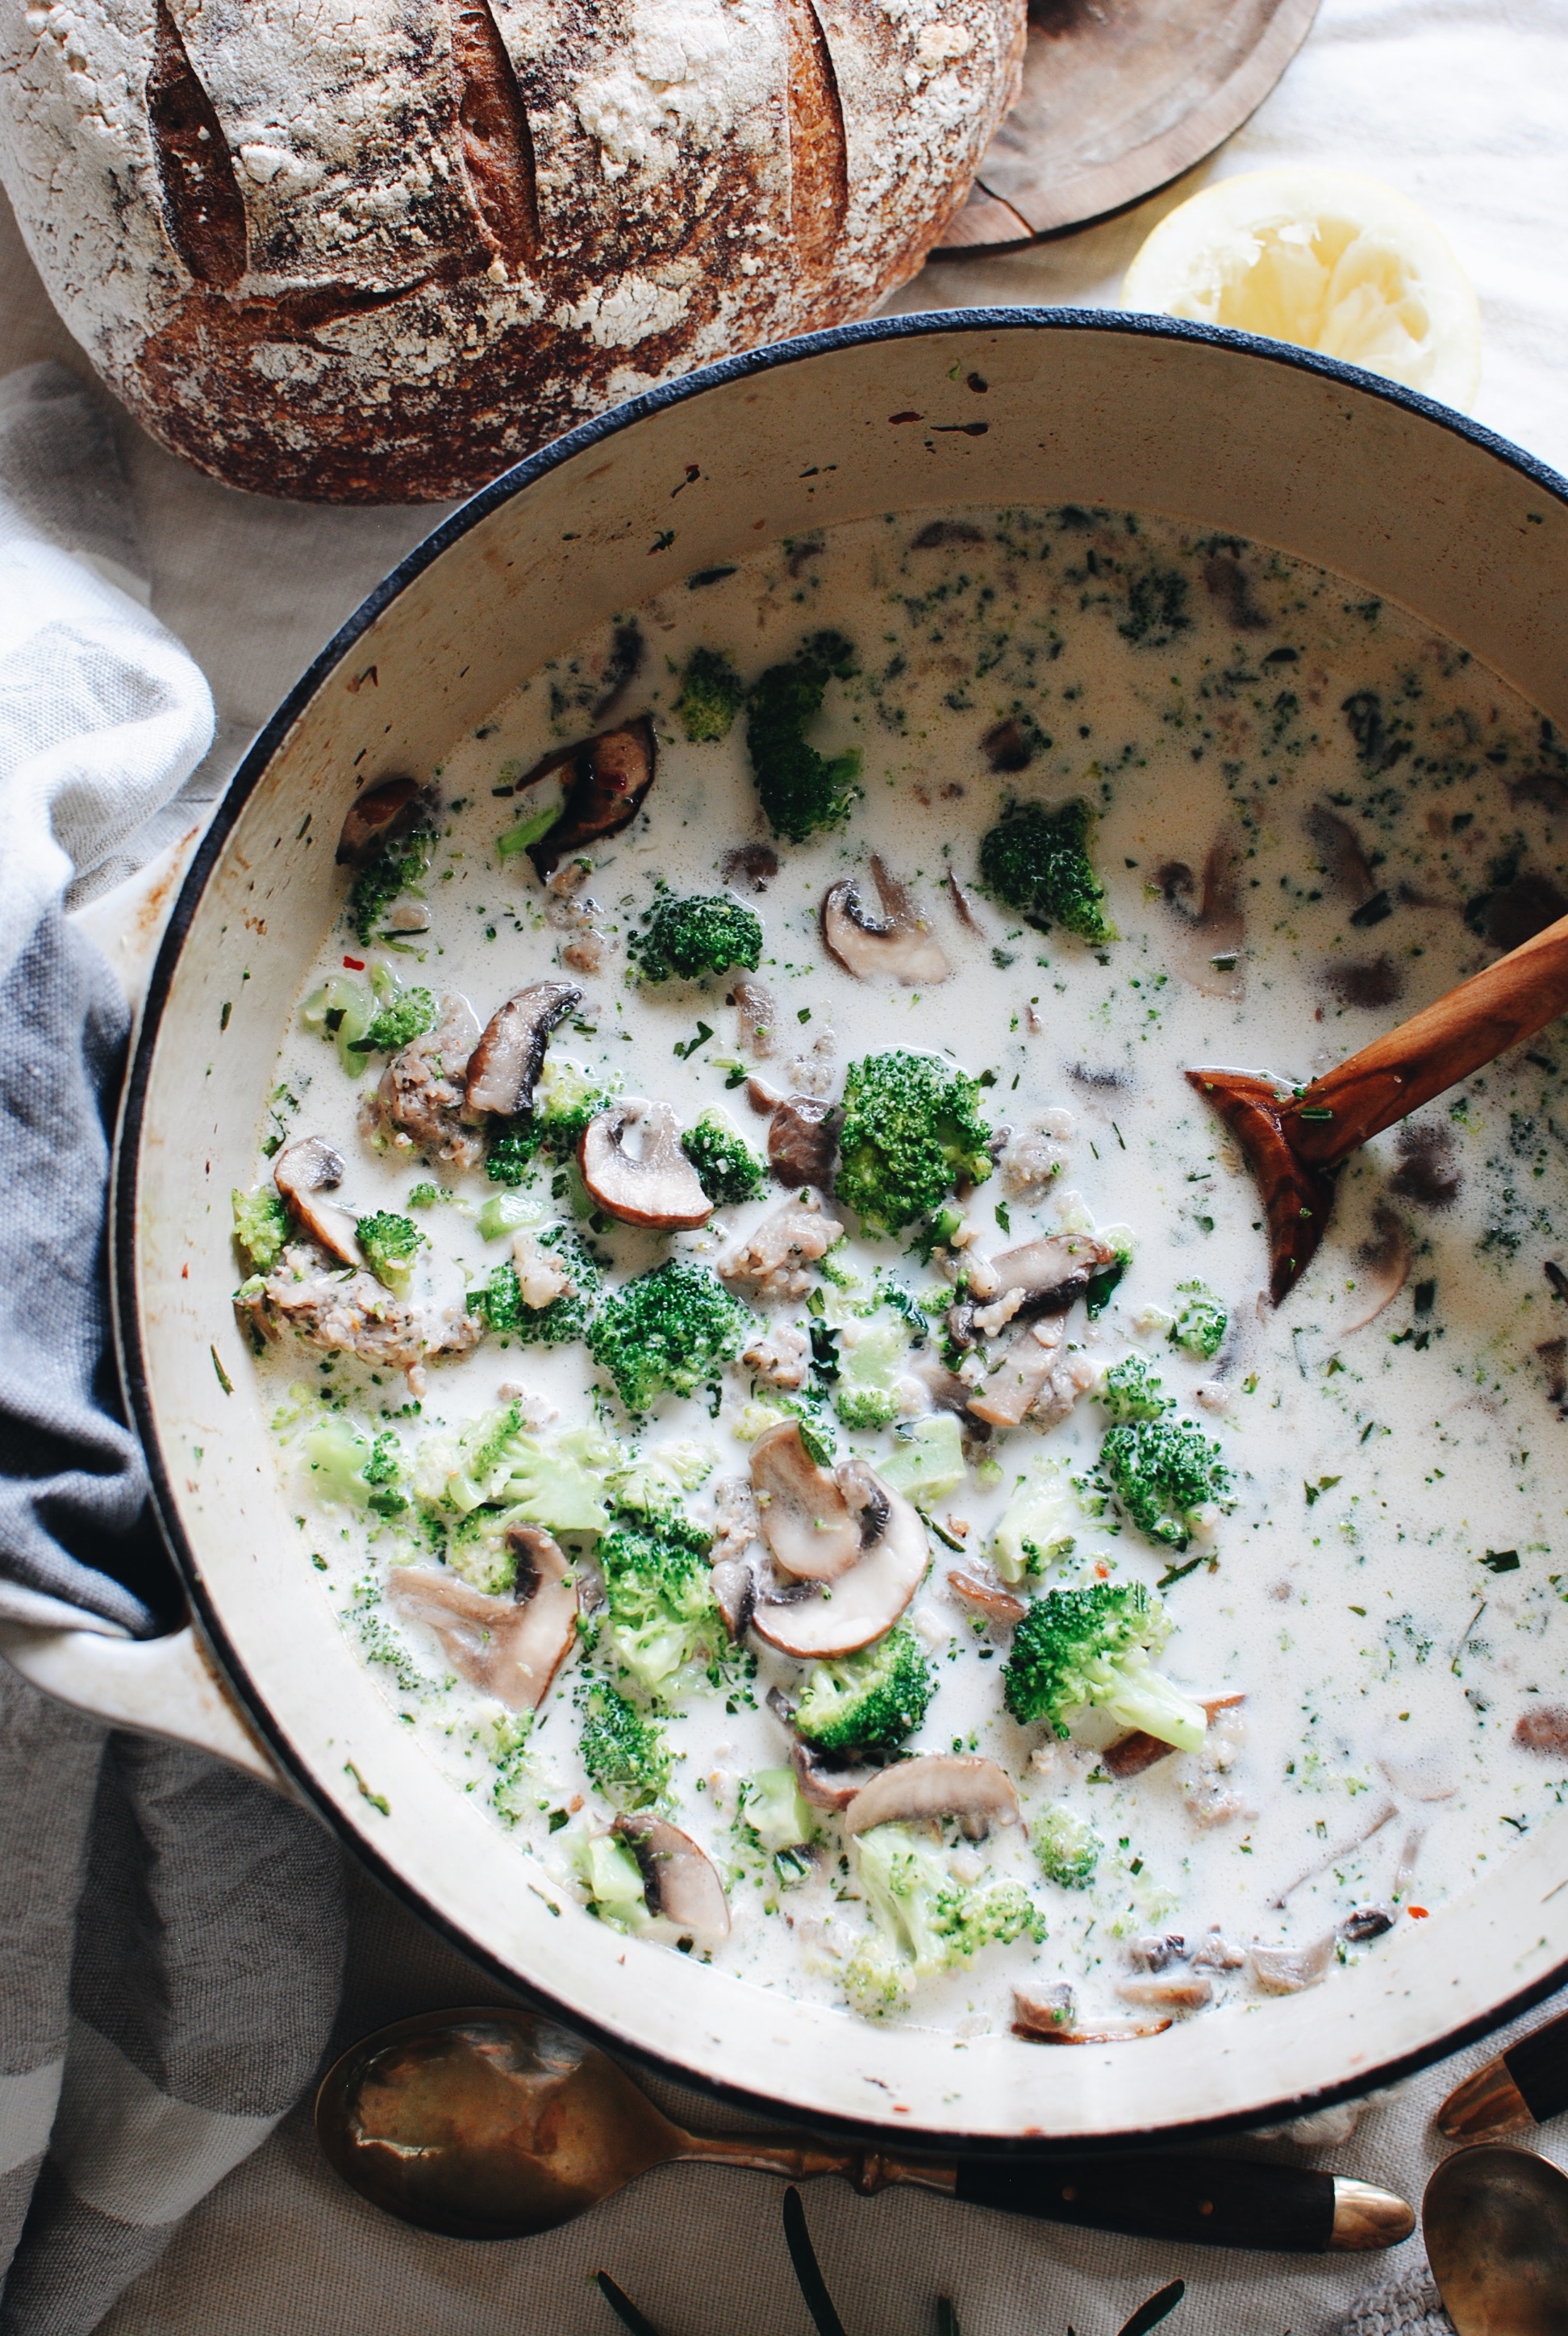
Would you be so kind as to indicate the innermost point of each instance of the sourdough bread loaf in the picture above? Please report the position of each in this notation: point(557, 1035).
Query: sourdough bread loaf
point(374, 250)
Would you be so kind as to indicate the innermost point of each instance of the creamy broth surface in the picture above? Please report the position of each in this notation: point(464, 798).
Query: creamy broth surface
point(1387, 1592)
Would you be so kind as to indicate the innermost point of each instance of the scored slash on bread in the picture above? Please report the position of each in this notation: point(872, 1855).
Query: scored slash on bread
point(379, 253)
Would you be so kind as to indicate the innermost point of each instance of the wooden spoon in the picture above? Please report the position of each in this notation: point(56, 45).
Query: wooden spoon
point(1295, 1137)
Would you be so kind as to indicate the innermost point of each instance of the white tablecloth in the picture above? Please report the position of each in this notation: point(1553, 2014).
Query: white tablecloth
point(1461, 103)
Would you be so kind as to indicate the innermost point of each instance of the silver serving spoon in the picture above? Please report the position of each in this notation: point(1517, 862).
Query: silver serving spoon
point(1496, 2224)
point(496, 2124)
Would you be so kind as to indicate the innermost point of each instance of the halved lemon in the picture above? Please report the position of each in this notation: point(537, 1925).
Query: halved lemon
point(1327, 260)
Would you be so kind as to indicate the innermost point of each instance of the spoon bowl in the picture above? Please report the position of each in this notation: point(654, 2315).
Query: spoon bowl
point(486, 2125)
point(1496, 2224)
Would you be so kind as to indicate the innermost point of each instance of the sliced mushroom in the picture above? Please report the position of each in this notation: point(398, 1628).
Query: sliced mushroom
point(962, 1785)
point(756, 1019)
point(610, 774)
point(1157, 1950)
point(823, 1790)
point(1543, 1728)
point(1053, 1274)
point(510, 1647)
point(1341, 855)
point(1013, 1389)
point(379, 813)
point(896, 946)
point(802, 1141)
point(1212, 932)
point(987, 1597)
point(753, 864)
point(814, 1620)
point(1216, 1952)
point(1365, 1923)
point(1383, 1267)
point(1131, 1754)
point(678, 1879)
point(302, 1172)
point(806, 1519)
point(510, 1056)
point(963, 904)
point(1286, 1970)
point(734, 1584)
point(1176, 1991)
point(647, 1180)
point(1040, 2017)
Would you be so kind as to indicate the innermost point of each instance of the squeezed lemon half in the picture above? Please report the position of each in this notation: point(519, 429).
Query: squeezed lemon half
point(1328, 260)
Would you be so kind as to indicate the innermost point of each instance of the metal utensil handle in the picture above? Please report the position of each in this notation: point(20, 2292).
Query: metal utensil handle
point(1538, 2065)
point(1215, 2202)
point(1443, 1044)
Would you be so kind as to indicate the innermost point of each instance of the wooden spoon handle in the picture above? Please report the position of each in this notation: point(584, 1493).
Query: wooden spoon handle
point(1468, 1028)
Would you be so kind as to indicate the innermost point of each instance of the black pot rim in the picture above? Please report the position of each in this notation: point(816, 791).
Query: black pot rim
point(923, 325)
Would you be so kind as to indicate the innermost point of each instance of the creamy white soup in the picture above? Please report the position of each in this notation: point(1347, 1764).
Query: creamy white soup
point(768, 1353)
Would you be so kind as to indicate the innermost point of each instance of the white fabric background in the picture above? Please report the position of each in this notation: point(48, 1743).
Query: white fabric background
point(1464, 106)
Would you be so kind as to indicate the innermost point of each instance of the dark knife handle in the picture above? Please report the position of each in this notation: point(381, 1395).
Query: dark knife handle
point(1538, 2065)
point(1215, 2202)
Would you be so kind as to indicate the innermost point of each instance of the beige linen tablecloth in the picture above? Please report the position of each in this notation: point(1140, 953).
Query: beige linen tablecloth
point(1463, 104)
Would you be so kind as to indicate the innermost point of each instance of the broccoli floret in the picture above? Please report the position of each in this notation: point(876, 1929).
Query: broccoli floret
point(932, 1920)
point(391, 1244)
point(395, 867)
point(406, 1017)
point(663, 1618)
point(510, 1151)
point(926, 1462)
point(501, 1301)
point(351, 1469)
point(675, 1327)
point(707, 932)
point(876, 1980)
point(1066, 1844)
point(877, 1696)
point(260, 1228)
point(710, 696)
point(612, 1878)
point(566, 1097)
point(1040, 1523)
point(477, 1549)
point(1164, 1473)
point(497, 1461)
point(1131, 1390)
point(342, 1010)
point(653, 1484)
point(800, 790)
point(871, 1356)
point(623, 1750)
point(1093, 1646)
point(1201, 1321)
point(912, 1132)
point(776, 1812)
point(430, 1196)
point(1036, 863)
point(728, 1169)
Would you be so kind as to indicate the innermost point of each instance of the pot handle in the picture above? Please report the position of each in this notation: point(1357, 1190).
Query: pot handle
point(154, 1686)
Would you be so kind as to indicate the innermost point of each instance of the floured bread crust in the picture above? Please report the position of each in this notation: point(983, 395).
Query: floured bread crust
point(370, 250)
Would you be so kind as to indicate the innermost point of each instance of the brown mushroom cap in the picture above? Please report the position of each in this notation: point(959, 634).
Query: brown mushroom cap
point(649, 1181)
point(962, 1785)
point(510, 1056)
point(814, 1619)
point(679, 1881)
point(300, 1172)
point(376, 814)
point(1211, 933)
point(818, 1788)
point(610, 774)
point(896, 946)
point(803, 1140)
point(986, 1596)
point(508, 1646)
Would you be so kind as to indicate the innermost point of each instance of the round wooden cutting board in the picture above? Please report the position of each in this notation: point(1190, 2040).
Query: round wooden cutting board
point(1119, 98)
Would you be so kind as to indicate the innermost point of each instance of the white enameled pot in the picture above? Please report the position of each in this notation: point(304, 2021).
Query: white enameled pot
point(1403, 498)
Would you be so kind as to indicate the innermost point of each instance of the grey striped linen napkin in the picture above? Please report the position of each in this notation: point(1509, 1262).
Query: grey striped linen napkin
point(170, 1933)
